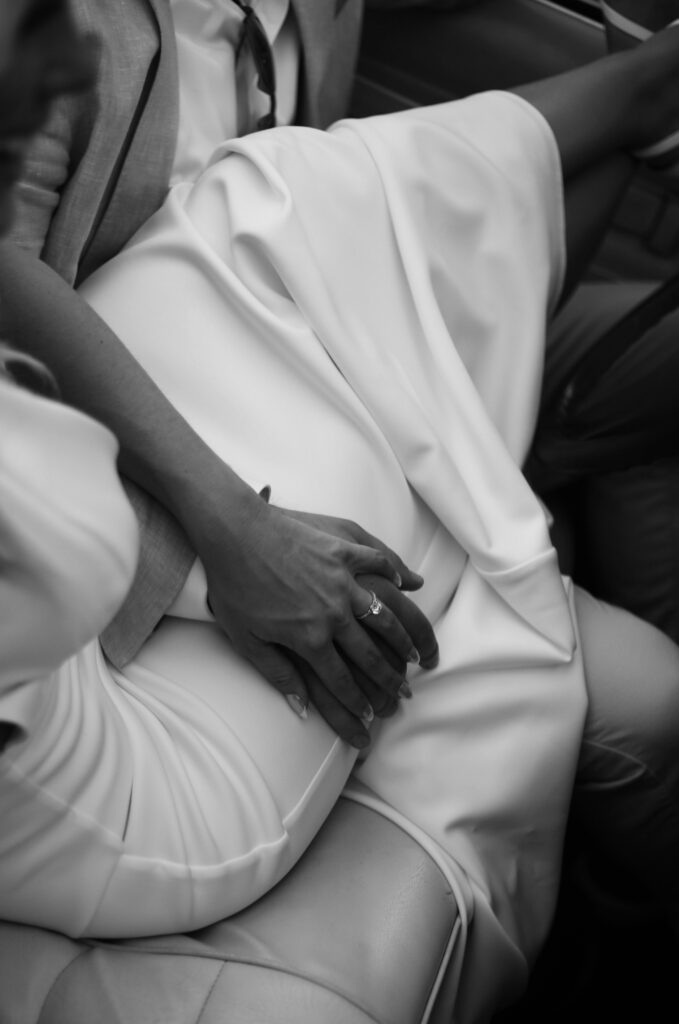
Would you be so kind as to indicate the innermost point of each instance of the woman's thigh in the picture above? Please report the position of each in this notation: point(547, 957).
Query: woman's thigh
point(230, 744)
point(164, 797)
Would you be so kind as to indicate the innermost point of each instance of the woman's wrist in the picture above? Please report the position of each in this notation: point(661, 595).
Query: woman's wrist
point(213, 504)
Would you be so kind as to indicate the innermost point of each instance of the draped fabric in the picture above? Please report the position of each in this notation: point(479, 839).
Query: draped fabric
point(357, 318)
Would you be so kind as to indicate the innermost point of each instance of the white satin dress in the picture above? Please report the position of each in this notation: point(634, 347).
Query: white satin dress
point(356, 318)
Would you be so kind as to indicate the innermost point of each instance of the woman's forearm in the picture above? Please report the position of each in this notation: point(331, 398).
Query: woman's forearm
point(275, 584)
point(42, 315)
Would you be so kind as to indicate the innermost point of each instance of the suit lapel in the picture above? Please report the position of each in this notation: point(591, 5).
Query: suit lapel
point(140, 179)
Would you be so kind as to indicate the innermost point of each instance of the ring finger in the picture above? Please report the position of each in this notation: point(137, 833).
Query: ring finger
point(376, 616)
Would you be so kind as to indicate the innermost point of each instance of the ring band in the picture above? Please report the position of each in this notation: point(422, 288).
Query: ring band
point(375, 608)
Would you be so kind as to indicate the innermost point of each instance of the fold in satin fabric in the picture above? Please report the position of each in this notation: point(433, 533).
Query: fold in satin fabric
point(357, 317)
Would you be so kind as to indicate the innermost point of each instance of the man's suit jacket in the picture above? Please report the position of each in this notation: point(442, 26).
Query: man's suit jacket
point(101, 169)
point(109, 152)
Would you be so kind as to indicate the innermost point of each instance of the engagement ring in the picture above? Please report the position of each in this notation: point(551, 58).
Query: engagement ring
point(375, 608)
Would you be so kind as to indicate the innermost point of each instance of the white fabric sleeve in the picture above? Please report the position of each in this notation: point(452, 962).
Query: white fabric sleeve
point(68, 538)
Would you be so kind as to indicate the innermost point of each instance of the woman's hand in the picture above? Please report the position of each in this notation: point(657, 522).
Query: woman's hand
point(288, 601)
point(278, 582)
point(382, 702)
point(416, 624)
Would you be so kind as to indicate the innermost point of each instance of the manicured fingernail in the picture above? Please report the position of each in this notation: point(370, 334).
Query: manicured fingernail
point(414, 656)
point(405, 691)
point(367, 716)
point(360, 740)
point(298, 705)
point(398, 580)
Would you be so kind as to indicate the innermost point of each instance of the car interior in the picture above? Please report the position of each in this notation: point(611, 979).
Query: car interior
point(361, 930)
point(610, 956)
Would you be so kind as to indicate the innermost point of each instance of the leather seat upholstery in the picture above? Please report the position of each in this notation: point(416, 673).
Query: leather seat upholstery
point(360, 931)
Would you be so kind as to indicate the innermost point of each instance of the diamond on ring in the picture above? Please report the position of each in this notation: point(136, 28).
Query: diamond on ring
point(375, 608)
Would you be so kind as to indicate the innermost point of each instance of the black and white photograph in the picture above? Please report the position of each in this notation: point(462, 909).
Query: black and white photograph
point(339, 511)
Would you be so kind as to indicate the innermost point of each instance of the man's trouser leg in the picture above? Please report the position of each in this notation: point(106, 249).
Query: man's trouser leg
point(615, 467)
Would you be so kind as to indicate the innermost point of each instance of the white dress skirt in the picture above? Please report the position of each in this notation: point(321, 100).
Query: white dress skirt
point(356, 318)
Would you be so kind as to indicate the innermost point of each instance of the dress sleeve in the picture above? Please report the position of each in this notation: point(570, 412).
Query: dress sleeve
point(68, 537)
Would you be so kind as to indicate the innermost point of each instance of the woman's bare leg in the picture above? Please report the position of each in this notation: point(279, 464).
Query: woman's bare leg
point(591, 198)
point(620, 103)
point(600, 114)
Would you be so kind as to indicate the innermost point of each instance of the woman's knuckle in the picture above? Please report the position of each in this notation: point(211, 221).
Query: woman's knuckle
point(320, 629)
